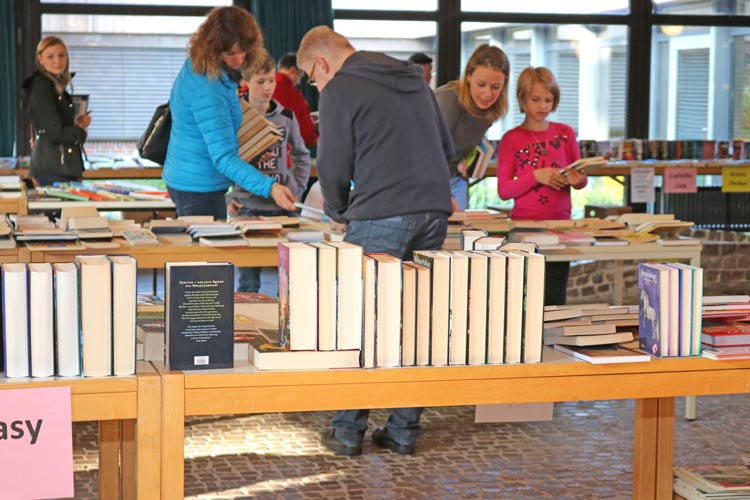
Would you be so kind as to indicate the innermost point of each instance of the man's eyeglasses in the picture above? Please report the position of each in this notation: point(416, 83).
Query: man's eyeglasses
point(311, 77)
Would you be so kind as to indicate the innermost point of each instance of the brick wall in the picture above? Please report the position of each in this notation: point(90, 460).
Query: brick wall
point(725, 261)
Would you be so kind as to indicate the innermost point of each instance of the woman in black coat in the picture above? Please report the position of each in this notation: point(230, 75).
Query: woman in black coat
point(57, 133)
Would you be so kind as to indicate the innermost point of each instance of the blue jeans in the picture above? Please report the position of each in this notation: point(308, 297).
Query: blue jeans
point(398, 236)
point(194, 203)
point(249, 277)
point(460, 192)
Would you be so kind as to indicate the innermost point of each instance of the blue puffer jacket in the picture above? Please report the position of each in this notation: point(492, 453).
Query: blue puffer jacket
point(202, 155)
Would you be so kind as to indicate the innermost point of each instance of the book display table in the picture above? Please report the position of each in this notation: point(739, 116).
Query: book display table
point(129, 413)
point(653, 385)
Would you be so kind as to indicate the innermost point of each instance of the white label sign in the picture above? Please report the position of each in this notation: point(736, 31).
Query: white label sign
point(642, 185)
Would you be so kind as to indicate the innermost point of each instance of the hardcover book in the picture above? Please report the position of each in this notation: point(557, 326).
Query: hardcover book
point(16, 320)
point(266, 354)
point(95, 281)
point(298, 302)
point(199, 318)
point(653, 291)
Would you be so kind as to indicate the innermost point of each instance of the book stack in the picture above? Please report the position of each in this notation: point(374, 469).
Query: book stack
point(669, 308)
point(256, 134)
point(724, 482)
point(6, 240)
point(597, 333)
point(725, 333)
point(81, 320)
point(170, 231)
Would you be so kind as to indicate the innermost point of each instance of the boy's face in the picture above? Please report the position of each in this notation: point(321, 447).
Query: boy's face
point(262, 86)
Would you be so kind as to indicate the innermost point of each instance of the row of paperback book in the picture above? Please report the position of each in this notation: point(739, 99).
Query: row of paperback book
point(70, 319)
point(658, 149)
point(670, 297)
point(444, 308)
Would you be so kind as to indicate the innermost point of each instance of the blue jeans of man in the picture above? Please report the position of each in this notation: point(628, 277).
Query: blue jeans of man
point(249, 277)
point(398, 236)
point(194, 203)
point(460, 192)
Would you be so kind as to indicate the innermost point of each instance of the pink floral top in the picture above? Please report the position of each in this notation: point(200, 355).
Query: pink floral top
point(523, 151)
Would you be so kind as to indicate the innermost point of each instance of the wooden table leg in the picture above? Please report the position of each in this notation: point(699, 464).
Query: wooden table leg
point(127, 460)
point(665, 448)
point(148, 437)
point(653, 449)
point(173, 435)
point(109, 459)
point(644, 448)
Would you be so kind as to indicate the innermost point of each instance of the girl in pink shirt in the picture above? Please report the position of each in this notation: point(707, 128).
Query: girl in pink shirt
point(531, 165)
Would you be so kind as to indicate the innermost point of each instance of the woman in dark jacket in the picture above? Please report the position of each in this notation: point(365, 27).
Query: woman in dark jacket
point(57, 133)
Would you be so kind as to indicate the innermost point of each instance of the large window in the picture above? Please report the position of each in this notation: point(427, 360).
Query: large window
point(548, 6)
point(700, 83)
point(702, 7)
point(126, 64)
point(385, 5)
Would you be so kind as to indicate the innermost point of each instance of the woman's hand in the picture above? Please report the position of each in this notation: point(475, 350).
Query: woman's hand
point(283, 196)
point(233, 207)
point(576, 178)
point(83, 121)
point(462, 168)
point(550, 177)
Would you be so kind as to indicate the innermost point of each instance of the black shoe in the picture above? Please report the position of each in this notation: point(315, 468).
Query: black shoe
point(332, 443)
point(381, 438)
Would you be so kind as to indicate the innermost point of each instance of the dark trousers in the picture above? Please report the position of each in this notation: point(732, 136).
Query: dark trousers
point(556, 283)
point(194, 203)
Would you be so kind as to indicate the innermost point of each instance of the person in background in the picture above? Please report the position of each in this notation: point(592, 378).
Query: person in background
point(286, 93)
point(425, 62)
point(470, 106)
point(532, 165)
point(261, 81)
point(202, 158)
point(380, 127)
point(58, 134)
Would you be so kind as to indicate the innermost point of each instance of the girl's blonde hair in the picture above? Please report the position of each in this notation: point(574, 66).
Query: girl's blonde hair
point(531, 76)
point(63, 79)
point(490, 57)
point(223, 28)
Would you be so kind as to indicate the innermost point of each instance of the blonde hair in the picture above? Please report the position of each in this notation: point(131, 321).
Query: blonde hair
point(264, 64)
point(63, 79)
point(321, 40)
point(531, 76)
point(223, 28)
point(490, 57)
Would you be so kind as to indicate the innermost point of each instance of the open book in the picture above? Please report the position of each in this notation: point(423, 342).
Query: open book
point(585, 164)
point(256, 134)
point(478, 158)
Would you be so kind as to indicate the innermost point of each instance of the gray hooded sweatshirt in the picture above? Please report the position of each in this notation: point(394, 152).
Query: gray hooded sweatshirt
point(381, 128)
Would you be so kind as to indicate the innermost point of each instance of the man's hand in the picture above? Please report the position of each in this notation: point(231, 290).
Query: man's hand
point(283, 196)
point(234, 207)
point(550, 177)
point(337, 227)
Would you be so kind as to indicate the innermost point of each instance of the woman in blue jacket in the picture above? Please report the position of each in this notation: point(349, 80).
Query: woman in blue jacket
point(202, 158)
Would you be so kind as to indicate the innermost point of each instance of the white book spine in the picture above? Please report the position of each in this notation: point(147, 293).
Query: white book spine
point(41, 329)
point(67, 321)
point(16, 320)
point(124, 270)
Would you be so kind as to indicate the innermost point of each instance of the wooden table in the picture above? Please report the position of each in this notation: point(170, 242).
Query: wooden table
point(154, 256)
point(653, 385)
point(129, 413)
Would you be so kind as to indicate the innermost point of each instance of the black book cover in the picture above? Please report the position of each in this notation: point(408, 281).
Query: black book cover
point(199, 315)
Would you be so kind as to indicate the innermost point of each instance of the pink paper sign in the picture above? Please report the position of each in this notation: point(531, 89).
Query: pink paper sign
point(680, 180)
point(36, 443)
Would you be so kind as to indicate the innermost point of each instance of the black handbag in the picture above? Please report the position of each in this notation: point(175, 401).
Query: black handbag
point(153, 143)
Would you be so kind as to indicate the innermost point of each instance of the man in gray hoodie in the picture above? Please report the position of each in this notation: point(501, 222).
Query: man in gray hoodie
point(383, 167)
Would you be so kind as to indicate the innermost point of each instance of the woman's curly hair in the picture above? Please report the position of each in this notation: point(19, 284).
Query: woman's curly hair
point(223, 28)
